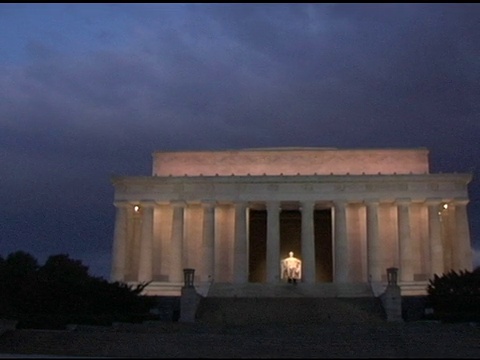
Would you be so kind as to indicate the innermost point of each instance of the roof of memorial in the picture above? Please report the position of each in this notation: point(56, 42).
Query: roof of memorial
point(296, 148)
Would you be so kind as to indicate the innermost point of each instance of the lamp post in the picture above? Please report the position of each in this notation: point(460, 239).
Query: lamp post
point(188, 275)
point(392, 275)
point(189, 298)
point(392, 297)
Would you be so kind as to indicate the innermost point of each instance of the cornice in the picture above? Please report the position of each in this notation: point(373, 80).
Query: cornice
point(333, 178)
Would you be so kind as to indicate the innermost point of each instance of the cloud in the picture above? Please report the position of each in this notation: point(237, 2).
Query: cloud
point(241, 69)
point(95, 95)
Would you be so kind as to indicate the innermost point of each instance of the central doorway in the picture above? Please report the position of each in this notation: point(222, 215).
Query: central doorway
point(290, 240)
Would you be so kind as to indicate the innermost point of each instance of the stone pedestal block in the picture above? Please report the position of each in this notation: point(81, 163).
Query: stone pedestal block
point(188, 304)
point(392, 303)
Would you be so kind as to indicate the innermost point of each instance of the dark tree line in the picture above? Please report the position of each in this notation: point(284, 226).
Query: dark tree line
point(61, 291)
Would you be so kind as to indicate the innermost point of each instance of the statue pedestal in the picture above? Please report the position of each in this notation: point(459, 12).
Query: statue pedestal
point(392, 303)
point(189, 301)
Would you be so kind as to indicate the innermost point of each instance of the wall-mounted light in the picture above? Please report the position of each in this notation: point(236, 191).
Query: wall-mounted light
point(443, 209)
point(136, 208)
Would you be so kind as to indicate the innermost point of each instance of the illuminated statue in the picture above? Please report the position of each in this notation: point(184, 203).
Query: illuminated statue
point(291, 268)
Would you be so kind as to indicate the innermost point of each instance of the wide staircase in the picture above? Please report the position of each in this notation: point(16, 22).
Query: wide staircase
point(323, 290)
point(246, 311)
point(296, 323)
point(289, 304)
point(286, 321)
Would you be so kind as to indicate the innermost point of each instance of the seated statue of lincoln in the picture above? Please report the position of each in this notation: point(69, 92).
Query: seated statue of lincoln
point(291, 268)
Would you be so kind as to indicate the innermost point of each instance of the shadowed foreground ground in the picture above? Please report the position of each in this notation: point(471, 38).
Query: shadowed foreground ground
point(176, 340)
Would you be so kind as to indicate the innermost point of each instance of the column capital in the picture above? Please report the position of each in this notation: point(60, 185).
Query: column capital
point(148, 203)
point(208, 204)
point(307, 205)
point(371, 202)
point(273, 205)
point(340, 203)
point(461, 201)
point(403, 201)
point(121, 204)
point(240, 204)
point(433, 201)
point(178, 203)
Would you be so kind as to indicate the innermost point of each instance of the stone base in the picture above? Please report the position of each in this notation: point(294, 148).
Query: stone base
point(414, 288)
point(392, 303)
point(163, 288)
point(188, 304)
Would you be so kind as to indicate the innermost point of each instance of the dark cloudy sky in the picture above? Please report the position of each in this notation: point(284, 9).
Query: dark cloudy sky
point(91, 90)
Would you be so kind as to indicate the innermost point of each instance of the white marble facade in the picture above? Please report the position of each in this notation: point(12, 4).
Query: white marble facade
point(386, 210)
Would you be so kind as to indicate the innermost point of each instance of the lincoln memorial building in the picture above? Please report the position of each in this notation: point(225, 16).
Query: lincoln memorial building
point(347, 214)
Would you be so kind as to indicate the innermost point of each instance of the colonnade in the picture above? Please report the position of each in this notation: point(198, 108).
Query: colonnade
point(437, 247)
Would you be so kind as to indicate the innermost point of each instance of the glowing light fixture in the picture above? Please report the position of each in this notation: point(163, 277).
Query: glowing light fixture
point(136, 208)
point(445, 206)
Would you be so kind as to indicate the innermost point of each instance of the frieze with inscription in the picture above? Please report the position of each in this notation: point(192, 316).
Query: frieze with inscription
point(273, 187)
point(386, 186)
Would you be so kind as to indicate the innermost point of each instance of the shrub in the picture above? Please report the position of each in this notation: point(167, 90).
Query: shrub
point(456, 296)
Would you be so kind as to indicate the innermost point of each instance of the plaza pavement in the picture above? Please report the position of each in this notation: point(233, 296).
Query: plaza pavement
point(421, 339)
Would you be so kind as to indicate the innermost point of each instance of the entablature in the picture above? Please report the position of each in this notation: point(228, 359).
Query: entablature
point(291, 187)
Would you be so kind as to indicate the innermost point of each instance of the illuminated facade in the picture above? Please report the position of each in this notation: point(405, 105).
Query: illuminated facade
point(233, 215)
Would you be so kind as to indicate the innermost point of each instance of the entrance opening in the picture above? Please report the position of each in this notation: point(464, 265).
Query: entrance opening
point(290, 233)
point(290, 240)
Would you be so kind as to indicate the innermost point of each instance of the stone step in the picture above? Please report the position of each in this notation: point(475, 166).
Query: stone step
point(289, 310)
point(327, 290)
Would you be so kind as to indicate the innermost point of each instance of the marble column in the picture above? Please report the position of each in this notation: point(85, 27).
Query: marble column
point(374, 270)
point(273, 241)
point(450, 219)
point(208, 261)
point(404, 240)
point(463, 253)
point(308, 242)
point(341, 242)
point(240, 256)
point(120, 242)
point(176, 250)
point(435, 237)
point(145, 266)
point(134, 231)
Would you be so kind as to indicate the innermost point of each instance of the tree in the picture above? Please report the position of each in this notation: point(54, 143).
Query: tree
point(18, 281)
point(62, 291)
